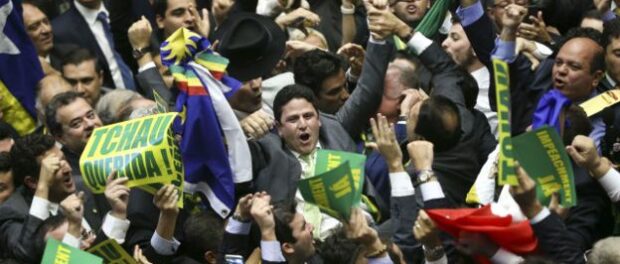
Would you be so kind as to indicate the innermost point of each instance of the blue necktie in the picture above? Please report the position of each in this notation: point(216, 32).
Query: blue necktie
point(125, 71)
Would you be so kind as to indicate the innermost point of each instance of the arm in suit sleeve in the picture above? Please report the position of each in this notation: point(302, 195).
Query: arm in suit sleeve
point(404, 212)
point(120, 20)
point(367, 95)
point(553, 238)
point(149, 80)
point(19, 237)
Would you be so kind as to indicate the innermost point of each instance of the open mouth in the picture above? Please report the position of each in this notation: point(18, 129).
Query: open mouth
point(558, 83)
point(68, 180)
point(304, 138)
point(412, 8)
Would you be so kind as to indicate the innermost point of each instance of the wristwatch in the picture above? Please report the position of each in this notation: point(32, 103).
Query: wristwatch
point(138, 53)
point(425, 176)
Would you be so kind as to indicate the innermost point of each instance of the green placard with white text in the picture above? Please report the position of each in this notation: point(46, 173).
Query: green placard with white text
point(542, 155)
point(327, 160)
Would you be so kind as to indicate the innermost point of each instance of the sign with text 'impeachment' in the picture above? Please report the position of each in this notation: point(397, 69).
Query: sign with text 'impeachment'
point(332, 191)
point(143, 150)
point(542, 155)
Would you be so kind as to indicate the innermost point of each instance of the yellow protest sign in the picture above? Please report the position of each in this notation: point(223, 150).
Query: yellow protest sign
point(506, 171)
point(143, 150)
point(112, 253)
point(600, 102)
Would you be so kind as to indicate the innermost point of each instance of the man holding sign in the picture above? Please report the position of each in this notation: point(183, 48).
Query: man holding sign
point(40, 167)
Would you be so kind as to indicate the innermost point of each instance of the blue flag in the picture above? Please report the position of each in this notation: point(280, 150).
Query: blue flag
point(20, 70)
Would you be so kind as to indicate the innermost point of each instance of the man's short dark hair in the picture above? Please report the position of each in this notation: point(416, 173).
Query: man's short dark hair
point(283, 215)
point(5, 162)
point(577, 123)
point(24, 155)
point(7, 131)
point(159, 7)
point(337, 248)
point(611, 30)
point(77, 56)
point(205, 230)
point(598, 61)
point(444, 135)
point(314, 67)
point(288, 93)
point(470, 89)
point(58, 101)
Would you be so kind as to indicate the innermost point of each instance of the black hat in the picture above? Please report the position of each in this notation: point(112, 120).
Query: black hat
point(253, 43)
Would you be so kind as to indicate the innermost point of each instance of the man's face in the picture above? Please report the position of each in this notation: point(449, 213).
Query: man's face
point(78, 120)
point(249, 98)
point(63, 184)
point(333, 93)
point(572, 69)
point(6, 144)
point(39, 29)
point(85, 79)
point(392, 90)
point(92, 4)
point(302, 232)
point(177, 15)
point(410, 11)
point(299, 126)
point(6, 185)
point(458, 46)
point(612, 59)
point(499, 7)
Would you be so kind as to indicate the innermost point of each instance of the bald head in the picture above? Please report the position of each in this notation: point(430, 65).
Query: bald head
point(48, 87)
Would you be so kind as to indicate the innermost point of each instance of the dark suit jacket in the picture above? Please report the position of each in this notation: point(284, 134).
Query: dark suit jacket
point(555, 242)
point(275, 168)
point(71, 27)
point(457, 167)
point(97, 205)
point(18, 228)
point(150, 80)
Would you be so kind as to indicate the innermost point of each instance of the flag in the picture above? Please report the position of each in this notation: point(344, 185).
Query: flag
point(213, 147)
point(549, 109)
point(20, 70)
point(511, 235)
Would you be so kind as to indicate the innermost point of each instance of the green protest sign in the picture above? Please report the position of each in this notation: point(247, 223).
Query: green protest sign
point(327, 160)
point(143, 150)
point(505, 167)
point(112, 253)
point(542, 155)
point(332, 191)
point(59, 253)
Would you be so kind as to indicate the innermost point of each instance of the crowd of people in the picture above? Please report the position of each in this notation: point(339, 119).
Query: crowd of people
point(410, 84)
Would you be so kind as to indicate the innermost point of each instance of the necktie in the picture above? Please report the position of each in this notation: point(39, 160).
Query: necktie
point(125, 71)
point(312, 213)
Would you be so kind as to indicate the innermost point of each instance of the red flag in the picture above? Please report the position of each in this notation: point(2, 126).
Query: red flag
point(515, 237)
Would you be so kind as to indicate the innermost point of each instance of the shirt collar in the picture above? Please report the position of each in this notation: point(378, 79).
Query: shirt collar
point(90, 15)
point(53, 207)
point(610, 80)
point(318, 146)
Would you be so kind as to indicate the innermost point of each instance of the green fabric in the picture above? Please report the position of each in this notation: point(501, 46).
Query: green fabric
point(433, 18)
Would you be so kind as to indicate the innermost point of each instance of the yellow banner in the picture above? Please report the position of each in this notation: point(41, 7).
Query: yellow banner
point(600, 102)
point(506, 170)
point(112, 253)
point(14, 113)
point(142, 150)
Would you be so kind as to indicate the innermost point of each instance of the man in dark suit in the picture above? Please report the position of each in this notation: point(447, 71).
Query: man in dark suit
point(72, 120)
point(40, 168)
point(443, 118)
point(39, 30)
point(86, 24)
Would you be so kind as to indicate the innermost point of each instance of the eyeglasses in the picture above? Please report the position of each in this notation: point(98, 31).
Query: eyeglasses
point(505, 3)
